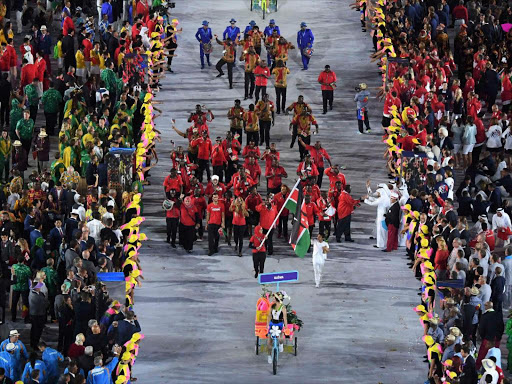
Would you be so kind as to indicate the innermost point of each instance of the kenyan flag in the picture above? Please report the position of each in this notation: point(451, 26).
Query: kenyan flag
point(300, 238)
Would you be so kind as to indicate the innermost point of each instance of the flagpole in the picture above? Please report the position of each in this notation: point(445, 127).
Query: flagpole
point(279, 214)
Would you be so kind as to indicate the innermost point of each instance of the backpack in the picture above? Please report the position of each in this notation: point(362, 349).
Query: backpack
point(55, 52)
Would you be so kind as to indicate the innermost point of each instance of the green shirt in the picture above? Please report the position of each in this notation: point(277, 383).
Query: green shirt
point(110, 79)
point(56, 170)
point(32, 94)
point(25, 128)
point(15, 115)
point(51, 101)
point(51, 280)
point(23, 275)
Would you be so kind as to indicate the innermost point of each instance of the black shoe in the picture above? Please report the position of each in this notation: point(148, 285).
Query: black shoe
point(385, 250)
point(338, 240)
point(189, 251)
point(173, 245)
point(220, 74)
point(209, 64)
point(245, 98)
point(278, 112)
point(168, 240)
point(210, 253)
point(324, 112)
point(372, 238)
point(230, 87)
point(291, 145)
point(250, 96)
point(330, 107)
point(255, 275)
point(349, 240)
point(239, 254)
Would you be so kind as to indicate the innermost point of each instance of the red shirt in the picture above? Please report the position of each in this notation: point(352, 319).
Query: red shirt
point(322, 206)
point(318, 155)
point(312, 211)
point(275, 176)
point(327, 78)
point(262, 75)
point(218, 155)
point(4, 62)
point(441, 260)
point(13, 57)
point(40, 68)
point(28, 72)
point(204, 146)
point(251, 151)
point(258, 239)
point(220, 189)
point(143, 9)
point(267, 216)
point(254, 170)
point(174, 212)
point(87, 49)
point(215, 211)
point(252, 201)
point(188, 215)
point(238, 218)
point(67, 26)
point(200, 204)
point(173, 183)
point(279, 200)
point(333, 178)
point(346, 205)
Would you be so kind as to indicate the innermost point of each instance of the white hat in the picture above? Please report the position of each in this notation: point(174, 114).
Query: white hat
point(43, 133)
point(111, 203)
point(394, 195)
point(14, 333)
point(43, 27)
point(215, 177)
point(74, 211)
point(488, 365)
point(10, 347)
point(77, 197)
point(499, 210)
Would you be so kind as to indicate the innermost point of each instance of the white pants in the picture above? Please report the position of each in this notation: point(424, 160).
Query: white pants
point(382, 233)
point(19, 25)
point(317, 268)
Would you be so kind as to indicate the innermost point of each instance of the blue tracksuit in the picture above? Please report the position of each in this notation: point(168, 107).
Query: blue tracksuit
point(305, 39)
point(27, 373)
point(204, 36)
point(51, 358)
point(19, 353)
point(102, 375)
point(231, 32)
point(268, 30)
point(7, 362)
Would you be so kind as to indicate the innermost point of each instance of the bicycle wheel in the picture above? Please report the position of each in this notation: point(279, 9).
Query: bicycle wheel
point(295, 347)
point(274, 362)
point(263, 7)
point(252, 1)
point(257, 345)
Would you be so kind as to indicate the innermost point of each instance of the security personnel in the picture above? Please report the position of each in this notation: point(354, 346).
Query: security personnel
point(252, 23)
point(204, 36)
point(271, 27)
point(305, 40)
point(233, 32)
point(228, 58)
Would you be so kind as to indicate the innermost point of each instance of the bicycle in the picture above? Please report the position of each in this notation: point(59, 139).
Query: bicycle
point(275, 332)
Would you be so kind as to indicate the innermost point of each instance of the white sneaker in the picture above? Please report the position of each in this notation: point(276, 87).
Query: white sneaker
point(269, 359)
point(317, 285)
point(280, 347)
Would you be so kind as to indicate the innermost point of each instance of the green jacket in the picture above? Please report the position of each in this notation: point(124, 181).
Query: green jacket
point(51, 280)
point(25, 128)
point(32, 94)
point(15, 115)
point(23, 275)
point(110, 79)
point(51, 101)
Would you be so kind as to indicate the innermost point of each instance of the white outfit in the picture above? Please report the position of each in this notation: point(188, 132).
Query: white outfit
point(450, 183)
point(501, 222)
point(319, 258)
point(508, 138)
point(383, 203)
point(95, 227)
point(494, 136)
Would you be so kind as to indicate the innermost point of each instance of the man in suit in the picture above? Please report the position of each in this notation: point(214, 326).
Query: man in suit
point(468, 375)
point(488, 328)
point(36, 233)
point(58, 194)
point(494, 198)
point(498, 289)
point(56, 235)
point(69, 197)
point(71, 225)
point(454, 234)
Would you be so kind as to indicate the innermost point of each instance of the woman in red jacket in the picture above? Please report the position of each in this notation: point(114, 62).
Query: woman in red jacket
point(441, 258)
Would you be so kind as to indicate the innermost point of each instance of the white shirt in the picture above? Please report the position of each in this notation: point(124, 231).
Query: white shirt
point(485, 293)
point(95, 226)
point(494, 136)
point(501, 222)
point(318, 253)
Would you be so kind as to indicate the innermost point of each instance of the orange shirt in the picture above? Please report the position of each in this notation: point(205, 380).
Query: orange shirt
point(280, 74)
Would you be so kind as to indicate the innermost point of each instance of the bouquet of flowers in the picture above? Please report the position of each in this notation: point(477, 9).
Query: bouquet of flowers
point(293, 318)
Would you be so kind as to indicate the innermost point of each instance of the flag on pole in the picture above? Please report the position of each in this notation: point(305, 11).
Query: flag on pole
point(300, 238)
point(291, 202)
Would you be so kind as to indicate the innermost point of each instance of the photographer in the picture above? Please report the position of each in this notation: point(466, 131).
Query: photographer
point(362, 98)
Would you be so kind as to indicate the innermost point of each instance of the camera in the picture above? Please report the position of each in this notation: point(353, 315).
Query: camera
point(357, 88)
point(172, 5)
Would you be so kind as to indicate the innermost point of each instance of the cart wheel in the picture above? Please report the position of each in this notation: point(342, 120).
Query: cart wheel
point(257, 345)
point(295, 347)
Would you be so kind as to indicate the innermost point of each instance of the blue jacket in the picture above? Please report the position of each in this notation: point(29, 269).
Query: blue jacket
point(106, 8)
point(51, 358)
point(27, 372)
point(231, 32)
point(204, 36)
point(45, 43)
point(55, 238)
point(124, 331)
point(268, 30)
point(34, 235)
point(305, 38)
point(102, 375)
point(247, 29)
point(19, 353)
point(7, 362)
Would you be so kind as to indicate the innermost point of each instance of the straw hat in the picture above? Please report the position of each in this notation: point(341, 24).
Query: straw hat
point(488, 365)
point(455, 331)
point(362, 86)
point(43, 133)
point(474, 291)
point(17, 143)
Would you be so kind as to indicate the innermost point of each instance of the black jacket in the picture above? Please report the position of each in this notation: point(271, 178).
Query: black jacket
point(468, 375)
point(393, 215)
point(488, 327)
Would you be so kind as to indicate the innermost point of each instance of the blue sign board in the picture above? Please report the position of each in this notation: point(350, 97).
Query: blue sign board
point(278, 277)
point(110, 276)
